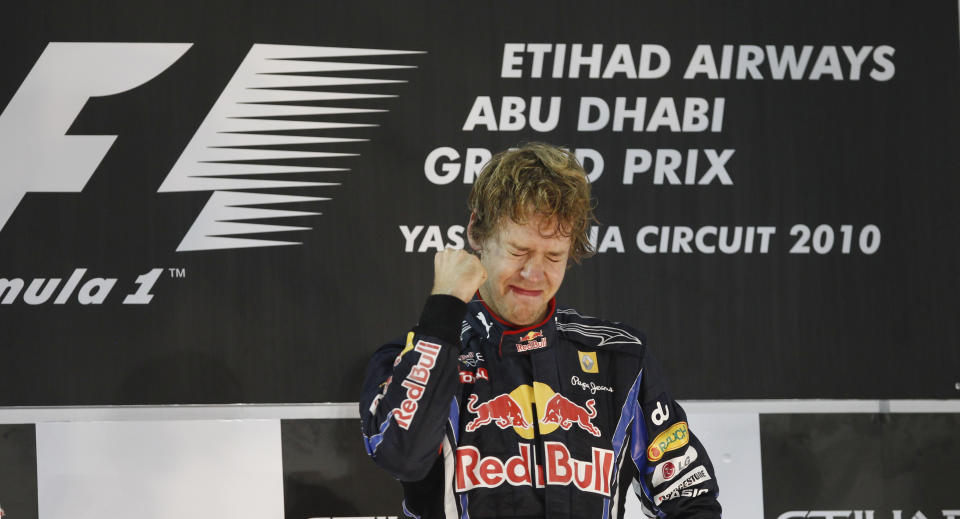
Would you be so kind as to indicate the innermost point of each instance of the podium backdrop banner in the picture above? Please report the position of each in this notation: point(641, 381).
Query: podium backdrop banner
point(239, 201)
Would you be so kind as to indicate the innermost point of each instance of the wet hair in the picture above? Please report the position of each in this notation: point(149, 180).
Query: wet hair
point(534, 179)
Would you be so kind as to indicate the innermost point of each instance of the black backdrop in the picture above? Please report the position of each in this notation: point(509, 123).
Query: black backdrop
point(296, 323)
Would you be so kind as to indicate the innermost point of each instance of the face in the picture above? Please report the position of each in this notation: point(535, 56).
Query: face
point(525, 266)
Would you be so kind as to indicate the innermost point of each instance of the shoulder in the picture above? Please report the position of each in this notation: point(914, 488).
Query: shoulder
point(596, 333)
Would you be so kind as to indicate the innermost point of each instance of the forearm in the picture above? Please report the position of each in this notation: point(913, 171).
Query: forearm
point(408, 391)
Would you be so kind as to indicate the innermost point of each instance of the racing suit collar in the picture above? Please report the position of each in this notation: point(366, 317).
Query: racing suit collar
point(511, 339)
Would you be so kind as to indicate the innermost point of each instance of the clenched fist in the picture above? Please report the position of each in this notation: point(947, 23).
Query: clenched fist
point(457, 273)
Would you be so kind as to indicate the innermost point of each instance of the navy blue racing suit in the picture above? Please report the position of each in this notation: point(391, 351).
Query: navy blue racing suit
point(478, 419)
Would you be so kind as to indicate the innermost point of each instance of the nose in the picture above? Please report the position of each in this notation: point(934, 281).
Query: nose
point(533, 269)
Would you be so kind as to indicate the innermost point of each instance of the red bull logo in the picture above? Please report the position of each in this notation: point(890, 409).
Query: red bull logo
point(474, 471)
point(532, 341)
point(415, 383)
point(502, 410)
point(564, 412)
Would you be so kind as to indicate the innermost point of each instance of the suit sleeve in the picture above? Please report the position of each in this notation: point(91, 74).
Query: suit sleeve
point(675, 476)
point(408, 391)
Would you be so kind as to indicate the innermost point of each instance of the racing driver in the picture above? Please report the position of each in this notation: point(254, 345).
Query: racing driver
point(500, 403)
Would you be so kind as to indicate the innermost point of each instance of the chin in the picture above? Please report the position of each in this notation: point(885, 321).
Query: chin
point(525, 318)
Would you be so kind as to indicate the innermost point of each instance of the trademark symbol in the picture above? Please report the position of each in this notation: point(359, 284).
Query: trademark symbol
point(177, 273)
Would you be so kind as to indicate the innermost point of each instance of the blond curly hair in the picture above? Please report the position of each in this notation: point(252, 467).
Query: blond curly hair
point(534, 179)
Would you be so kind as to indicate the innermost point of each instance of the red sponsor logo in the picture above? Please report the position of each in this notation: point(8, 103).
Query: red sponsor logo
point(467, 377)
point(654, 453)
point(564, 412)
point(561, 469)
point(668, 470)
point(415, 382)
point(503, 410)
point(532, 341)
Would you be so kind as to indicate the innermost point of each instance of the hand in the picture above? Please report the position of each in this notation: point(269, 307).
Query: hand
point(457, 273)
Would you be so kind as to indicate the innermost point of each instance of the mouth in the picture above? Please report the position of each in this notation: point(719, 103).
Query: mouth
point(524, 292)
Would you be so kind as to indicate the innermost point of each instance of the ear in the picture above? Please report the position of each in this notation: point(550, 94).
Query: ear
point(474, 244)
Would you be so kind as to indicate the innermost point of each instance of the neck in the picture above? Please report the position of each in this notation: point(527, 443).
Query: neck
point(492, 308)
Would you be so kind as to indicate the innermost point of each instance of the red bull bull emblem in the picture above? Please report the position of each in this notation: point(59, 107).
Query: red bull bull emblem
point(515, 409)
point(564, 412)
point(532, 341)
point(561, 469)
point(502, 410)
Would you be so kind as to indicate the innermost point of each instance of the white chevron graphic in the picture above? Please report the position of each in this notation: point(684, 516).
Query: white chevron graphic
point(605, 334)
point(257, 100)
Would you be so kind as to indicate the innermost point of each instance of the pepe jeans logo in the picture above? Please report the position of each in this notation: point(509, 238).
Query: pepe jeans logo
point(245, 125)
point(592, 387)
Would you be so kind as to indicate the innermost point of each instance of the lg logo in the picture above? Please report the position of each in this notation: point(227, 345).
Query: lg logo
point(245, 124)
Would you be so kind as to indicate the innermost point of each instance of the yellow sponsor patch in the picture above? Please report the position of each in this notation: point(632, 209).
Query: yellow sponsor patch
point(588, 361)
point(672, 439)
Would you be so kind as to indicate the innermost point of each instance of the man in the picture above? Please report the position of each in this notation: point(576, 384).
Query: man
point(501, 404)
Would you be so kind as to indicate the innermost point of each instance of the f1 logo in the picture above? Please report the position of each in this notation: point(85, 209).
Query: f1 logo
point(35, 152)
point(271, 85)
